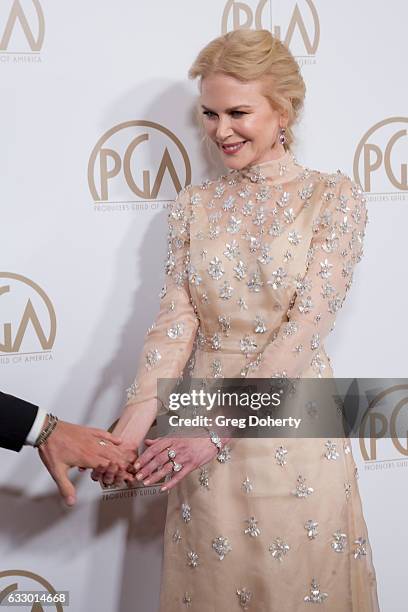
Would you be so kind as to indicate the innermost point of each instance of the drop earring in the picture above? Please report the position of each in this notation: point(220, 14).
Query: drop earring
point(282, 136)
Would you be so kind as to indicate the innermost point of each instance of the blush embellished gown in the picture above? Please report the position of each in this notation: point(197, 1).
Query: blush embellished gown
point(259, 263)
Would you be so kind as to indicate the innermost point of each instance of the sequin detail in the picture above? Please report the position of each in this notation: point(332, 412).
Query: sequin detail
point(278, 549)
point(187, 599)
point(244, 597)
point(247, 485)
point(280, 455)
point(152, 358)
point(312, 529)
point(252, 529)
point(132, 391)
point(192, 559)
point(203, 478)
point(339, 541)
point(186, 513)
point(221, 546)
point(302, 490)
point(316, 595)
point(360, 549)
point(331, 452)
point(176, 537)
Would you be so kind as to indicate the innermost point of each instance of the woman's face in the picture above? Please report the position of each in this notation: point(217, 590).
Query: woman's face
point(240, 121)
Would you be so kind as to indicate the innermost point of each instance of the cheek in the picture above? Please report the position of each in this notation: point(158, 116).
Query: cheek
point(254, 128)
point(210, 128)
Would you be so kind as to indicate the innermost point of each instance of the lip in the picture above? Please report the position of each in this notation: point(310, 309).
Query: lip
point(233, 147)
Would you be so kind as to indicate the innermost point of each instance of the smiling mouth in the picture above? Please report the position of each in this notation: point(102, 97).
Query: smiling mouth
point(233, 147)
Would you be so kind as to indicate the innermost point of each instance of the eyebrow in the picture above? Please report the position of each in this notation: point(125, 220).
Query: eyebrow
point(228, 109)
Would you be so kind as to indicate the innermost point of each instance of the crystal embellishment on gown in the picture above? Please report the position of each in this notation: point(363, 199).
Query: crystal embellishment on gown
point(240, 270)
point(331, 452)
point(221, 546)
point(278, 279)
point(244, 597)
point(316, 595)
point(280, 455)
point(225, 324)
point(132, 391)
point(187, 600)
point(215, 269)
point(252, 529)
point(176, 331)
point(152, 358)
point(226, 290)
point(311, 528)
point(186, 513)
point(247, 485)
point(192, 559)
point(339, 542)
point(360, 550)
point(176, 537)
point(224, 455)
point(278, 549)
point(260, 325)
point(203, 478)
point(302, 490)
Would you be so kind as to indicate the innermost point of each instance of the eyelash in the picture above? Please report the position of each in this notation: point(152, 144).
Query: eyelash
point(210, 113)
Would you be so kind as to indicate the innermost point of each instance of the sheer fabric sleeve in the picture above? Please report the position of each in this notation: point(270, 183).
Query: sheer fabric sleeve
point(169, 341)
point(336, 247)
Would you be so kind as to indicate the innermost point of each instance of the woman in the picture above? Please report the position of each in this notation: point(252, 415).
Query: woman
point(259, 263)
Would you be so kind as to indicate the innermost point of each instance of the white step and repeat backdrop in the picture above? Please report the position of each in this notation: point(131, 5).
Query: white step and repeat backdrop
point(97, 135)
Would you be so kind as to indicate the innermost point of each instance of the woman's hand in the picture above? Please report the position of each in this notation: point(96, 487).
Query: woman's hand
point(154, 463)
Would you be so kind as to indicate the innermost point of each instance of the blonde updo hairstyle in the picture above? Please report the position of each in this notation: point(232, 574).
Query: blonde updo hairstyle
point(250, 55)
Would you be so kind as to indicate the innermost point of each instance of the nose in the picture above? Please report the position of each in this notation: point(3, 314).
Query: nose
point(223, 128)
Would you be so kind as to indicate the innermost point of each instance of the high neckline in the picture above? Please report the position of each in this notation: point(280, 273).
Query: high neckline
point(272, 169)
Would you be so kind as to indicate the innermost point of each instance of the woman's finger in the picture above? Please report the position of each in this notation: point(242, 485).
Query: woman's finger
point(157, 447)
point(174, 480)
point(155, 464)
point(159, 474)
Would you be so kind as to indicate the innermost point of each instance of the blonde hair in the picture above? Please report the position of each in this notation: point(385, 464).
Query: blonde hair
point(251, 55)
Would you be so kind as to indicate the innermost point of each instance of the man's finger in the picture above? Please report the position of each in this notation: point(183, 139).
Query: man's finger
point(65, 486)
point(106, 435)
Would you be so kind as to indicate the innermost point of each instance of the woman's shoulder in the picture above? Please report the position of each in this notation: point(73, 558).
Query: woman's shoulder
point(338, 181)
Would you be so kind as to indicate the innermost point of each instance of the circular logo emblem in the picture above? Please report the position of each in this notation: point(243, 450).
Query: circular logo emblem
point(138, 161)
point(27, 316)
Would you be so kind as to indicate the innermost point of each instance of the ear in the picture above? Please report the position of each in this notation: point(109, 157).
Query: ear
point(283, 119)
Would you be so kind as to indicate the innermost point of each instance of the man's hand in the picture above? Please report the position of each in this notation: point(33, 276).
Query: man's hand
point(132, 427)
point(72, 445)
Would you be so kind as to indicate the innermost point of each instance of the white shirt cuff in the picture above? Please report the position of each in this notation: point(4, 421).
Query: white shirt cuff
point(36, 427)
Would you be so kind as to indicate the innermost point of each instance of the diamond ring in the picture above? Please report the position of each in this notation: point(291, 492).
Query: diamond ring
point(102, 442)
point(177, 466)
point(171, 453)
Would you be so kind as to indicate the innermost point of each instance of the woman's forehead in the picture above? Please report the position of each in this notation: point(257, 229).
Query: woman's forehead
point(228, 91)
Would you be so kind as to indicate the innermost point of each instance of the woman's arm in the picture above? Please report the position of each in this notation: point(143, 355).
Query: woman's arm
point(335, 250)
point(169, 341)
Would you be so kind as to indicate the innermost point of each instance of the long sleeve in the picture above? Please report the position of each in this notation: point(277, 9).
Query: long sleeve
point(16, 420)
point(169, 341)
point(335, 249)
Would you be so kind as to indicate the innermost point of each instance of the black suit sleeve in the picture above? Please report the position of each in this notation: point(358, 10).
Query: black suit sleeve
point(16, 419)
